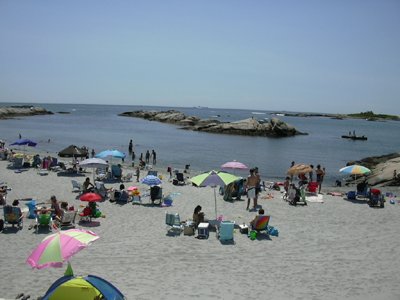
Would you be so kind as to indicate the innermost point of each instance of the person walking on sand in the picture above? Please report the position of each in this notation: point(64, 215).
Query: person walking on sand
point(320, 173)
point(137, 174)
point(250, 186)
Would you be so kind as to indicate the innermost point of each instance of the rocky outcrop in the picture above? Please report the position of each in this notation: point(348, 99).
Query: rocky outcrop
point(252, 127)
point(385, 169)
point(8, 112)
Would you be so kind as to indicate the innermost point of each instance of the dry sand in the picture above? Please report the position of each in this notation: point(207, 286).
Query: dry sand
point(332, 250)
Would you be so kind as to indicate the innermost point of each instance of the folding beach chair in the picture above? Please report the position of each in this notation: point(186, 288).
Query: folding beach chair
point(76, 187)
point(225, 231)
point(44, 220)
point(173, 221)
point(261, 225)
point(13, 216)
point(68, 219)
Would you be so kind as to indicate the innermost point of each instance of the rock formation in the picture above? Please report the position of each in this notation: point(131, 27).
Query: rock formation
point(273, 128)
point(385, 169)
point(8, 112)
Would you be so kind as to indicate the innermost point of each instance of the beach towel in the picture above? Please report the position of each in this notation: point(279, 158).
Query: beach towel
point(315, 199)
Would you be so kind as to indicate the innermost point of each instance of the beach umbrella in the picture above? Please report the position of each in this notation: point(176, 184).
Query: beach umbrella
point(93, 163)
point(355, 170)
point(111, 153)
point(213, 179)
point(151, 180)
point(91, 197)
point(24, 142)
point(59, 247)
point(235, 165)
point(299, 169)
point(72, 151)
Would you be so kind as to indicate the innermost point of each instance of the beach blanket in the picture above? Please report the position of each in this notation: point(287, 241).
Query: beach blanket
point(315, 199)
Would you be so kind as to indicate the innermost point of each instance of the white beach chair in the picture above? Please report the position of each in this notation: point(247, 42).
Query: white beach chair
point(76, 186)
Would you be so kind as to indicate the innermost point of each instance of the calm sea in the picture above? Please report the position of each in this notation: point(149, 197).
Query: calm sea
point(100, 127)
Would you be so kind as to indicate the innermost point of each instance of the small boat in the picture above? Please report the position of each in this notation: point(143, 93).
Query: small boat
point(355, 137)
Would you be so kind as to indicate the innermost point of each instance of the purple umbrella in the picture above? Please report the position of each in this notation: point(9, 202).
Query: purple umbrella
point(24, 142)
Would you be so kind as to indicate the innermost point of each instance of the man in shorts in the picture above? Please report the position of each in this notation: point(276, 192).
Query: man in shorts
point(251, 184)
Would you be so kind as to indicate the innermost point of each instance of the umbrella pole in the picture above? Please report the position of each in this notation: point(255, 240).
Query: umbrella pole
point(215, 199)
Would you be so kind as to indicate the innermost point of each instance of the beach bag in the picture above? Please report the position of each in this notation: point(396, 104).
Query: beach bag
point(351, 195)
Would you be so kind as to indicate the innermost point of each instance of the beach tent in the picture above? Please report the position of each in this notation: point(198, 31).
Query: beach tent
point(82, 288)
point(73, 151)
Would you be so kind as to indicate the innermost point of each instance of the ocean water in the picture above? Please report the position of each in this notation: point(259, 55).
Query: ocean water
point(99, 127)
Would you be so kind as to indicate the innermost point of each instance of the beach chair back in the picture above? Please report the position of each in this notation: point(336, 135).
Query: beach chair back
point(261, 223)
point(226, 229)
point(12, 214)
point(68, 218)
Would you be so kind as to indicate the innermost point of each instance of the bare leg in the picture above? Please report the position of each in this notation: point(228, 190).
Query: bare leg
point(248, 203)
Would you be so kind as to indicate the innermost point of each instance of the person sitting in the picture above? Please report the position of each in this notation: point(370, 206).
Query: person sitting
point(254, 221)
point(302, 179)
point(362, 188)
point(198, 216)
point(57, 212)
point(87, 186)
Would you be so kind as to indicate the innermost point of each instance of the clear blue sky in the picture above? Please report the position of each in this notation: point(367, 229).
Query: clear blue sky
point(318, 56)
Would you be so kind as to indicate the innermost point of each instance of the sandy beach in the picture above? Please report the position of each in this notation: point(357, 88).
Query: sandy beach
point(338, 249)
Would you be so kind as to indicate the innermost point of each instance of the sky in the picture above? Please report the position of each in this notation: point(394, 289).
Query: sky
point(340, 56)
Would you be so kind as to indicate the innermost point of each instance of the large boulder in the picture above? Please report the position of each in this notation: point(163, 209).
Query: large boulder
point(250, 126)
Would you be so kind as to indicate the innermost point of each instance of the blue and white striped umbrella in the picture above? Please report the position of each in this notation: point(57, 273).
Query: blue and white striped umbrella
point(151, 180)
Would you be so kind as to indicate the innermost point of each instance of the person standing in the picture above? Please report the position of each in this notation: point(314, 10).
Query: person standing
point(320, 173)
point(93, 153)
point(154, 155)
point(250, 186)
point(137, 173)
point(130, 146)
point(310, 174)
point(133, 158)
point(147, 156)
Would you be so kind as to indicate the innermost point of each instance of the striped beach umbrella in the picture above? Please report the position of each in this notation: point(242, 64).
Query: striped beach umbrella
point(57, 248)
point(355, 170)
point(151, 180)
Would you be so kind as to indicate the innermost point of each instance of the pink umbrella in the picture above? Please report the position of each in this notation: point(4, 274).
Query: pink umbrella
point(234, 165)
point(57, 248)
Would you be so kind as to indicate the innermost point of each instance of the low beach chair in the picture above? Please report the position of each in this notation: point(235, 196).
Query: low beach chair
point(127, 177)
point(13, 216)
point(156, 194)
point(173, 221)
point(44, 221)
point(68, 219)
point(76, 187)
point(261, 224)
point(181, 178)
point(225, 231)
point(312, 188)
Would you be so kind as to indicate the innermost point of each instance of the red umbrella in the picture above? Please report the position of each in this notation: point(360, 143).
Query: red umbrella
point(91, 197)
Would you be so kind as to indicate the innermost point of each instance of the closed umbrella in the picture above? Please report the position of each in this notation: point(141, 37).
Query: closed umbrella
point(213, 179)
